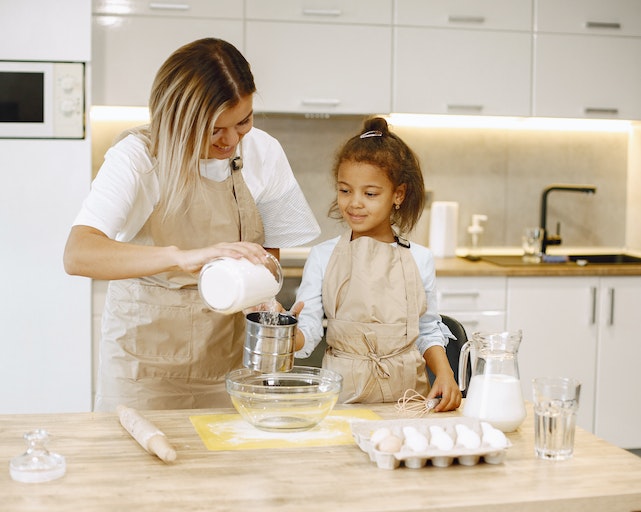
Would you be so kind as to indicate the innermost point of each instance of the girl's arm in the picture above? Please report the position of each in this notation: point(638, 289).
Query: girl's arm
point(444, 385)
point(310, 320)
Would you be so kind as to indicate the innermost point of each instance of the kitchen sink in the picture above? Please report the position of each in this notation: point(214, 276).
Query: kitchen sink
point(605, 259)
point(572, 259)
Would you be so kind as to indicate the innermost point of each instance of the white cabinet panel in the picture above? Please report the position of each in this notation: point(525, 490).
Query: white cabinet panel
point(45, 30)
point(461, 72)
point(557, 317)
point(595, 17)
point(336, 69)
point(477, 302)
point(618, 407)
point(370, 12)
point(175, 9)
point(584, 76)
point(481, 14)
point(128, 50)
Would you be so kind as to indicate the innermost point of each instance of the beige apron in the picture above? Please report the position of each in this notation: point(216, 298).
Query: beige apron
point(161, 347)
point(373, 297)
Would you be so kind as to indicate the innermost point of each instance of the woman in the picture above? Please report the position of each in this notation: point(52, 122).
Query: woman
point(198, 183)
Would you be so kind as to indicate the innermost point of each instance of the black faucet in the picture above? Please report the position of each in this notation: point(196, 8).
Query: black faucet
point(556, 239)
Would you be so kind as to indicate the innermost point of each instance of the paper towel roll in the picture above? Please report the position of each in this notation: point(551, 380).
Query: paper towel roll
point(444, 228)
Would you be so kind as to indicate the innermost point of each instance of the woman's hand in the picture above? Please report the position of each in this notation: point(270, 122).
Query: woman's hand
point(192, 260)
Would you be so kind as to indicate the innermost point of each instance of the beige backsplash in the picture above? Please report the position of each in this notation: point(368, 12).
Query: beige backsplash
point(496, 172)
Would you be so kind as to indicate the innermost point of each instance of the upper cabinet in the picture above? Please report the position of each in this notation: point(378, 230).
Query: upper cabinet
point(548, 58)
point(321, 56)
point(462, 57)
point(586, 59)
point(37, 30)
point(132, 38)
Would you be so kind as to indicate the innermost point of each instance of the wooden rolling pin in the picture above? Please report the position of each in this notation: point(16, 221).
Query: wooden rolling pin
point(146, 433)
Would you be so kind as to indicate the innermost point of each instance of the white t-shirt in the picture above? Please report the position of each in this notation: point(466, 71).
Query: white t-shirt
point(126, 190)
point(432, 331)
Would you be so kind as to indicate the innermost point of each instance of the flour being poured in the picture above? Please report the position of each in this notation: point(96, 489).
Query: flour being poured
point(271, 315)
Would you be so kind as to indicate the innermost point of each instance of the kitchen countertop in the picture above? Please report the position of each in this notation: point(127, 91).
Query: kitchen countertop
point(107, 470)
point(294, 259)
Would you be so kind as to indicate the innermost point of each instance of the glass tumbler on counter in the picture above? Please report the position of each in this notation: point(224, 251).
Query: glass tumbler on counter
point(556, 401)
point(532, 244)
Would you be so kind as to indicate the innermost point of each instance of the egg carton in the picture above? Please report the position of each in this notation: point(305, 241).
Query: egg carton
point(363, 430)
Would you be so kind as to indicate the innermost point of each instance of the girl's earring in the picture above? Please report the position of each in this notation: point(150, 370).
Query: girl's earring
point(397, 206)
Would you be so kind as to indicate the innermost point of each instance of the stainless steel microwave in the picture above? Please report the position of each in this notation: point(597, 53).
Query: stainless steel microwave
point(42, 100)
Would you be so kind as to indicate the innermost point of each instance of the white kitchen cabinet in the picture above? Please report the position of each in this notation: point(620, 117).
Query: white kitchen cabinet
point(334, 60)
point(584, 327)
point(587, 76)
point(593, 17)
point(586, 59)
point(359, 12)
point(618, 418)
point(462, 57)
point(45, 31)
point(461, 72)
point(480, 14)
point(130, 44)
point(477, 302)
point(558, 318)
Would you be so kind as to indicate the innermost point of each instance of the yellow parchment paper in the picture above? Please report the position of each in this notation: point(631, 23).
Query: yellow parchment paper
point(231, 432)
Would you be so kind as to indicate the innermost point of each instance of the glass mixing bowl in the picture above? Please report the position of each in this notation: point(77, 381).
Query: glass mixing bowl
point(284, 401)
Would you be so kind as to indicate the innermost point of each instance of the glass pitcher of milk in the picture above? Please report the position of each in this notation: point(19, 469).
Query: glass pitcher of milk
point(494, 393)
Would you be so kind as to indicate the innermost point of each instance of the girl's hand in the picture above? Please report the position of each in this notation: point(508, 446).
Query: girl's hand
point(447, 388)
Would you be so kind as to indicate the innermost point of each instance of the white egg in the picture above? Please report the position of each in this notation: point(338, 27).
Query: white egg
point(416, 442)
point(390, 444)
point(493, 436)
point(409, 430)
point(466, 437)
point(379, 434)
point(440, 439)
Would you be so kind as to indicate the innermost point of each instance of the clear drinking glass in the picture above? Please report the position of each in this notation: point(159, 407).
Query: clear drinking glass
point(556, 401)
point(532, 243)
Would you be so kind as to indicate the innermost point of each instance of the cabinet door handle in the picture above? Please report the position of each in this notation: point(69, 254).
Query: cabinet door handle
point(601, 111)
point(593, 308)
point(321, 102)
point(168, 7)
point(464, 108)
point(462, 18)
point(322, 12)
point(463, 293)
point(603, 24)
point(611, 317)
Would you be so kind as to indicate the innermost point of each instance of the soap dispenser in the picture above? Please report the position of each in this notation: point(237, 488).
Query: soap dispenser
point(475, 229)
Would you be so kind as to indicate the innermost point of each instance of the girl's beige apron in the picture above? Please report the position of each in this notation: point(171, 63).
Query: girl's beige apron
point(373, 297)
point(161, 347)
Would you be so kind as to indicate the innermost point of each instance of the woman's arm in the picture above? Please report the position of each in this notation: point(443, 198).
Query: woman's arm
point(91, 253)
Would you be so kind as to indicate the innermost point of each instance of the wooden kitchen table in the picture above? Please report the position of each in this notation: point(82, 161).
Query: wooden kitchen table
point(108, 471)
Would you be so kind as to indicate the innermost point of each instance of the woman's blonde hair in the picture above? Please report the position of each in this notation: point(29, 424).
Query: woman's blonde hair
point(378, 146)
point(191, 89)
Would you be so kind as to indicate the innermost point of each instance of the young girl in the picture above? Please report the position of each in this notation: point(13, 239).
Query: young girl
point(375, 288)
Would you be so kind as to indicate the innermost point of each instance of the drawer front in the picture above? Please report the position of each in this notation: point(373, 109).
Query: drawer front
point(485, 321)
point(171, 8)
point(594, 17)
point(370, 12)
point(473, 14)
point(471, 294)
